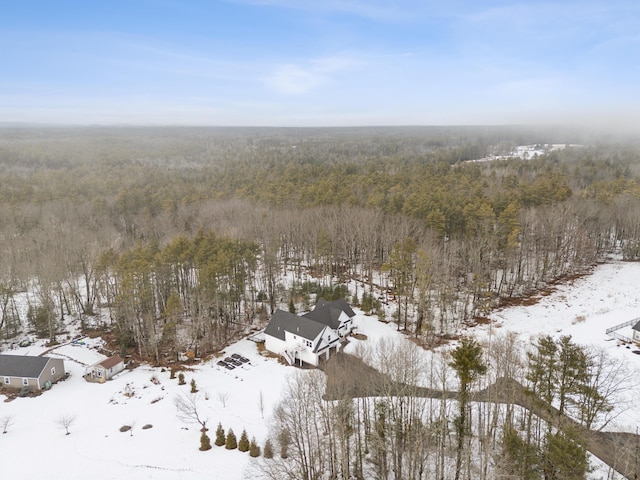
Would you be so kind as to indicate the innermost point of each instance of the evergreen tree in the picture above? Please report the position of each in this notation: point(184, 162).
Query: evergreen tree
point(194, 388)
point(468, 364)
point(268, 449)
point(172, 375)
point(519, 459)
point(572, 371)
point(542, 373)
point(181, 379)
point(292, 306)
point(231, 442)
point(243, 444)
point(564, 457)
point(284, 439)
point(205, 442)
point(220, 437)
point(254, 448)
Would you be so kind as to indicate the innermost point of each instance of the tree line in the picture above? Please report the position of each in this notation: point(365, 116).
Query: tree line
point(180, 239)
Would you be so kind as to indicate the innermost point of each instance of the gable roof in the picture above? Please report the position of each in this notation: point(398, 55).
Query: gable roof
point(111, 361)
point(636, 327)
point(22, 366)
point(341, 304)
point(326, 315)
point(282, 322)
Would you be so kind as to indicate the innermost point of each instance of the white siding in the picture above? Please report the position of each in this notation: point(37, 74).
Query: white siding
point(274, 344)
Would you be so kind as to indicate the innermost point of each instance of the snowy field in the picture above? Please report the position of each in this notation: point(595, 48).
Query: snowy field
point(36, 446)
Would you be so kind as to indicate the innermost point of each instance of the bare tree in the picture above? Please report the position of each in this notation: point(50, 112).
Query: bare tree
point(188, 410)
point(5, 422)
point(66, 420)
point(223, 397)
point(261, 404)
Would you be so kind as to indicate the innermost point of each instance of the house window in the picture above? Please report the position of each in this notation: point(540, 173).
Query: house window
point(53, 370)
point(99, 373)
point(308, 343)
point(7, 380)
point(25, 382)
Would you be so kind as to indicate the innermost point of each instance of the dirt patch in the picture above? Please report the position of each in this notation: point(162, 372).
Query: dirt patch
point(430, 342)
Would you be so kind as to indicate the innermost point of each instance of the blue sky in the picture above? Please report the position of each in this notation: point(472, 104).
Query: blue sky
point(320, 63)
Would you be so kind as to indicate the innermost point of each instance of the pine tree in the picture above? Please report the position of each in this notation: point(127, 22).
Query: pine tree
point(284, 438)
point(181, 379)
point(194, 389)
point(220, 437)
point(172, 375)
point(292, 306)
point(564, 456)
point(231, 442)
point(519, 459)
point(254, 448)
point(205, 442)
point(468, 364)
point(268, 449)
point(243, 444)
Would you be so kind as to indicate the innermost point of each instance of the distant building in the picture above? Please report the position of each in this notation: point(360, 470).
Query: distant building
point(105, 369)
point(311, 337)
point(36, 373)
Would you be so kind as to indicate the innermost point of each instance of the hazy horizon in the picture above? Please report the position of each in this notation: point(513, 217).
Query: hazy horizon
point(294, 63)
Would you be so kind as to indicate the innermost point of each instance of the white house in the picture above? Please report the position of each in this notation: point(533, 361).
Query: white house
point(300, 338)
point(105, 369)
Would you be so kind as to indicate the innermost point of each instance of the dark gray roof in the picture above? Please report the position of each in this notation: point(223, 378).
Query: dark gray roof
point(636, 327)
point(289, 322)
point(22, 366)
point(327, 315)
point(341, 304)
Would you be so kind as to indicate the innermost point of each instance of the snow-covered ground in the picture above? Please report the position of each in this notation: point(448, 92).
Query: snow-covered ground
point(526, 152)
point(36, 446)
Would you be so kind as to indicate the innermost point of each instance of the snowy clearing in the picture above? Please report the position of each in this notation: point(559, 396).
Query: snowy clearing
point(96, 448)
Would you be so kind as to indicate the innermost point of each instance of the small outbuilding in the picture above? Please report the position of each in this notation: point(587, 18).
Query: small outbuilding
point(35, 373)
point(105, 369)
point(636, 333)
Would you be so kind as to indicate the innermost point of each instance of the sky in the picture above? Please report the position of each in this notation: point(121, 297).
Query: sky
point(320, 62)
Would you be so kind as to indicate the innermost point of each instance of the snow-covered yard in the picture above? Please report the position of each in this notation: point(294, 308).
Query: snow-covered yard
point(36, 445)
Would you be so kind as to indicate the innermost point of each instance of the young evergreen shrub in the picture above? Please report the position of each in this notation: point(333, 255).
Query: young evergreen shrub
point(243, 444)
point(220, 438)
point(254, 448)
point(292, 306)
point(205, 442)
point(284, 438)
point(194, 389)
point(181, 379)
point(231, 442)
point(268, 449)
point(172, 375)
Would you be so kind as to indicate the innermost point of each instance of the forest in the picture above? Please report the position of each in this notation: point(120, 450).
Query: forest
point(173, 240)
point(177, 239)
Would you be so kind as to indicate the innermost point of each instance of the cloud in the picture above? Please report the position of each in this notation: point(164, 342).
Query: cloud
point(299, 79)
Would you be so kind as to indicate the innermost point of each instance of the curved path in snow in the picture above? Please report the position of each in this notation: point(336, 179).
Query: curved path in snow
point(350, 377)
